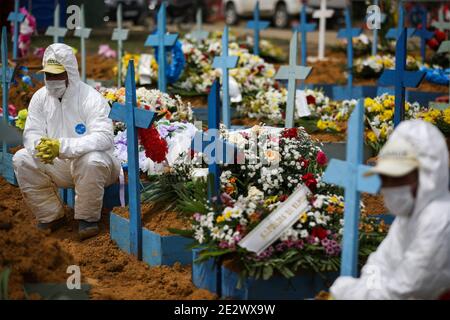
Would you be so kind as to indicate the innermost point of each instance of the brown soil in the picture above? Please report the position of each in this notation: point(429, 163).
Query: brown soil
point(196, 101)
point(332, 72)
point(100, 68)
point(374, 204)
point(328, 137)
point(112, 274)
point(157, 220)
point(248, 122)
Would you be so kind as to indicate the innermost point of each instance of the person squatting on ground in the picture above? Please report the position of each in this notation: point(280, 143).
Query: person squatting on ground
point(69, 143)
point(413, 261)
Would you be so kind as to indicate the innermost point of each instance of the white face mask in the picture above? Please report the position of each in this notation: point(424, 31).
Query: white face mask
point(399, 200)
point(56, 88)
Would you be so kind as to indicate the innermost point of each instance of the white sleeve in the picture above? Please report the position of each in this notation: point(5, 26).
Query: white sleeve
point(417, 275)
point(99, 128)
point(35, 124)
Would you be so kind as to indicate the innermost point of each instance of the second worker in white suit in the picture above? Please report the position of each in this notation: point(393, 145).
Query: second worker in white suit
point(68, 141)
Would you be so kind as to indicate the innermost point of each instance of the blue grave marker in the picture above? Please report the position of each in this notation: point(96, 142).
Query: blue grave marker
point(83, 33)
point(350, 175)
point(199, 34)
point(134, 118)
point(119, 35)
point(400, 78)
point(292, 73)
point(257, 25)
point(222, 152)
point(304, 27)
point(349, 33)
point(225, 62)
point(394, 33)
point(162, 41)
point(16, 17)
point(56, 31)
point(424, 34)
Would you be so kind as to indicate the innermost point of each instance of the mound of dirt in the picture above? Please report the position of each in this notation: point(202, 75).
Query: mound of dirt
point(112, 274)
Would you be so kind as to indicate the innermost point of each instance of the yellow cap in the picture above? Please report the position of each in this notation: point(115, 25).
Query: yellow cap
point(53, 66)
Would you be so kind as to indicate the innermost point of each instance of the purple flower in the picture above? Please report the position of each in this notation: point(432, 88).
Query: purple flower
point(325, 242)
point(197, 216)
point(165, 130)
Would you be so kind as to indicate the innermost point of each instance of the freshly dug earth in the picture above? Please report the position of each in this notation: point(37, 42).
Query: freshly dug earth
point(374, 204)
point(156, 220)
point(112, 274)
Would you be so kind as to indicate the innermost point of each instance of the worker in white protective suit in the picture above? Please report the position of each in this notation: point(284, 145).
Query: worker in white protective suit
point(413, 261)
point(68, 141)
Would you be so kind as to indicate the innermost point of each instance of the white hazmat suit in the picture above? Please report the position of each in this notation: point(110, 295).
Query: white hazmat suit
point(413, 261)
point(80, 122)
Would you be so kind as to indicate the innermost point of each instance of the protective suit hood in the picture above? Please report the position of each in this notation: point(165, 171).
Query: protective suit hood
point(432, 151)
point(64, 55)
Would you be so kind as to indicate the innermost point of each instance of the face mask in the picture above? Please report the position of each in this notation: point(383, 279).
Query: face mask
point(56, 88)
point(399, 200)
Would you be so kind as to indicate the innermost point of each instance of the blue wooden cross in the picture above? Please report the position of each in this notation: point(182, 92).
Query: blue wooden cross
point(394, 33)
point(292, 73)
point(424, 34)
point(133, 118)
point(162, 41)
point(210, 142)
point(350, 175)
point(349, 33)
point(83, 33)
point(225, 62)
point(257, 25)
point(199, 34)
point(56, 31)
point(16, 17)
point(119, 35)
point(304, 27)
point(400, 78)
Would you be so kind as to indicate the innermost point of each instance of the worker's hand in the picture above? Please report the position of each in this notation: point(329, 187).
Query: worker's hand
point(48, 150)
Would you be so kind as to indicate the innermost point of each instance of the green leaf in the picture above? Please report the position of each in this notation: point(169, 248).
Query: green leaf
point(4, 281)
point(180, 232)
point(267, 272)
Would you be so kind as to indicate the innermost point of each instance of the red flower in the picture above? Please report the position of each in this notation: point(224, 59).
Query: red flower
point(305, 162)
point(433, 44)
point(319, 232)
point(283, 198)
point(311, 99)
point(155, 147)
point(310, 181)
point(321, 158)
point(439, 35)
point(289, 133)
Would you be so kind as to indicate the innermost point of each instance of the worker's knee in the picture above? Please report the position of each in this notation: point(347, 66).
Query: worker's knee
point(22, 159)
point(93, 159)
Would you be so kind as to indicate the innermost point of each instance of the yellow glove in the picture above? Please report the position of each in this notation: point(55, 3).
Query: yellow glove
point(48, 150)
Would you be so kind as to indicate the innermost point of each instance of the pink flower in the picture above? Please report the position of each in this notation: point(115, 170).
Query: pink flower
point(321, 158)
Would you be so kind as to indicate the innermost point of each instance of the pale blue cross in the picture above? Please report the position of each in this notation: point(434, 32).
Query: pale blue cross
point(350, 175)
point(199, 34)
point(56, 31)
point(400, 78)
point(349, 33)
point(304, 27)
point(424, 34)
point(257, 25)
point(441, 24)
point(216, 149)
point(162, 41)
point(83, 33)
point(225, 62)
point(16, 17)
point(394, 33)
point(134, 118)
point(119, 35)
point(292, 73)
point(7, 76)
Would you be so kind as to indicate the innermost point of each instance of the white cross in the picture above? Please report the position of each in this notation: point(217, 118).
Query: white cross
point(323, 14)
point(56, 31)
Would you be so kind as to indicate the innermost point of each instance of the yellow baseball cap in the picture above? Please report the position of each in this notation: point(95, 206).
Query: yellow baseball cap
point(53, 66)
point(397, 158)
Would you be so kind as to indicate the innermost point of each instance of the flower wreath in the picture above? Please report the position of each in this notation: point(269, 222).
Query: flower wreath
point(175, 69)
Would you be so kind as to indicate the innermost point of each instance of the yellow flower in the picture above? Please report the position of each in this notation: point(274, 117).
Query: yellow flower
point(220, 219)
point(21, 119)
point(372, 136)
point(322, 125)
point(303, 217)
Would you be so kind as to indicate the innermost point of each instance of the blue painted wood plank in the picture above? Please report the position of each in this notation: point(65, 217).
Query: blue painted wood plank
point(119, 229)
point(304, 27)
point(257, 25)
point(205, 275)
point(16, 17)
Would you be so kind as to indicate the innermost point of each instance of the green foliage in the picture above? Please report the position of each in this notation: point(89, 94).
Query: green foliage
point(4, 280)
